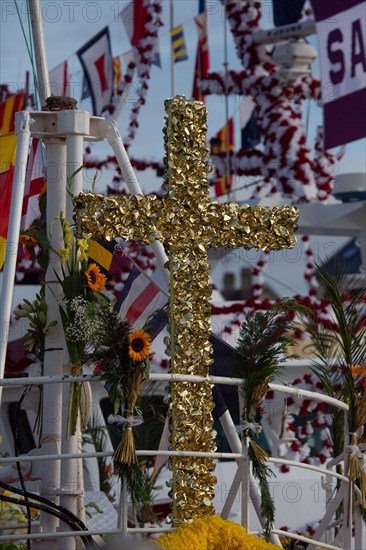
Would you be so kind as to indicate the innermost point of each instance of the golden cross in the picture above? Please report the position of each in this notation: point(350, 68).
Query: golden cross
point(190, 223)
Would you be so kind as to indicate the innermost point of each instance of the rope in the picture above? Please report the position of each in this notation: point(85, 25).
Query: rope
point(29, 46)
point(30, 52)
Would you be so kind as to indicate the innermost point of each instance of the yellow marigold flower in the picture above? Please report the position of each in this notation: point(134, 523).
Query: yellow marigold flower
point(140, 343)
point(27, 240)
point(83, 247)
point(64, 254)
point(212, 533)
point(95, 279)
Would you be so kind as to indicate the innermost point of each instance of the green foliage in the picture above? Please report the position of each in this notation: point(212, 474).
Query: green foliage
point(262, 345)
point(109, 341)
point(262, 473)
point(97, 435)
point(339, 349)
point(38, 231)
point(153, 411)
point(36, 313)
point(139, 487)
point(93, 506)
point(262, 351)
point(13, 546)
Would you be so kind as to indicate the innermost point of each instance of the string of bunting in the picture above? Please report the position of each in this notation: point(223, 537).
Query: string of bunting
point(257, 274)
point(296, 439)
point(145, 57)
point(294, 172)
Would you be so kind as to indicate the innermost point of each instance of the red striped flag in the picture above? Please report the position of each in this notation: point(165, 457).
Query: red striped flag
point(8, 108)
point(140, 298)
point(34, 182)
point(202, 56)
point(134, 16)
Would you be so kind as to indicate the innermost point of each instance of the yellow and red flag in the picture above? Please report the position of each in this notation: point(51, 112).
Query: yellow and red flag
point(8, 108)
point(8, 145)
point(117, 69)
point(224, 184)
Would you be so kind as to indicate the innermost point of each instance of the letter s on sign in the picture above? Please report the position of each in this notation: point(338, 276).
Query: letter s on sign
point(336, 56)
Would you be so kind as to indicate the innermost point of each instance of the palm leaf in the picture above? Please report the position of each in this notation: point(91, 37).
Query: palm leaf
point(339, 348)
point(263, 342)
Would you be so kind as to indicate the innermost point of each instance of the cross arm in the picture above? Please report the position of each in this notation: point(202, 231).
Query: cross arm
point(231, 225)
point(131, 217)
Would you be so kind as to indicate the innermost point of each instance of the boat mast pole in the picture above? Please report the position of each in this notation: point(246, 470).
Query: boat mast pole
point(44, 89)
point(227, 133)
point(56, 176)
point(7, 287)
point(172, 64)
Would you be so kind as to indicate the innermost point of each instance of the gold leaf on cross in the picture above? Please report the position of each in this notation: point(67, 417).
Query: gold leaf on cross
point(190, 223)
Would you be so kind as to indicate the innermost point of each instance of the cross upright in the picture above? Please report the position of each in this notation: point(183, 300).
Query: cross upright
point(190, 224)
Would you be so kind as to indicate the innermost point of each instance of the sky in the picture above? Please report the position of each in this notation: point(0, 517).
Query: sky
point(68, 24)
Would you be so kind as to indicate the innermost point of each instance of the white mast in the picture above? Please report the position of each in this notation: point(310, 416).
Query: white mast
point(57, 481)
point(172, 64)
point(7, 288)
point(44, 89)
point(227, 133)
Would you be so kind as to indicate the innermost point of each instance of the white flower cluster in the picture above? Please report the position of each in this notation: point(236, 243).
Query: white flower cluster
point(88, 323)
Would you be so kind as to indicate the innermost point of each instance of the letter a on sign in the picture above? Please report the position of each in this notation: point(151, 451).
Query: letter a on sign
point(341, 30)
point(96, 59)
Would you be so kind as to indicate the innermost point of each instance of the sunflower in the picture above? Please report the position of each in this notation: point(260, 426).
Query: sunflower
point(27, 240)
point(140, 343)
point(95, 279)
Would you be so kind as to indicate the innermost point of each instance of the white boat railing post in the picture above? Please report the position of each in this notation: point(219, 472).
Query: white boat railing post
point(51, 441)
point(23, 133)
point(122, 521)
point(348, 492)
point(235, 445)
point(245, 483)
point(362, 240)
point(77, 125)
point(74, 124)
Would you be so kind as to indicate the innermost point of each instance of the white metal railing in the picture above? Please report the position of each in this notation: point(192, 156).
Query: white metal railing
point(239, 457)
point(230, 381)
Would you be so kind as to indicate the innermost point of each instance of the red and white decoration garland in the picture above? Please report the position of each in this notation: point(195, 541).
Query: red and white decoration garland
point(309, 274)
point(144, 57)
point(317, 418)
point(285, 162)
point(278, 112)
